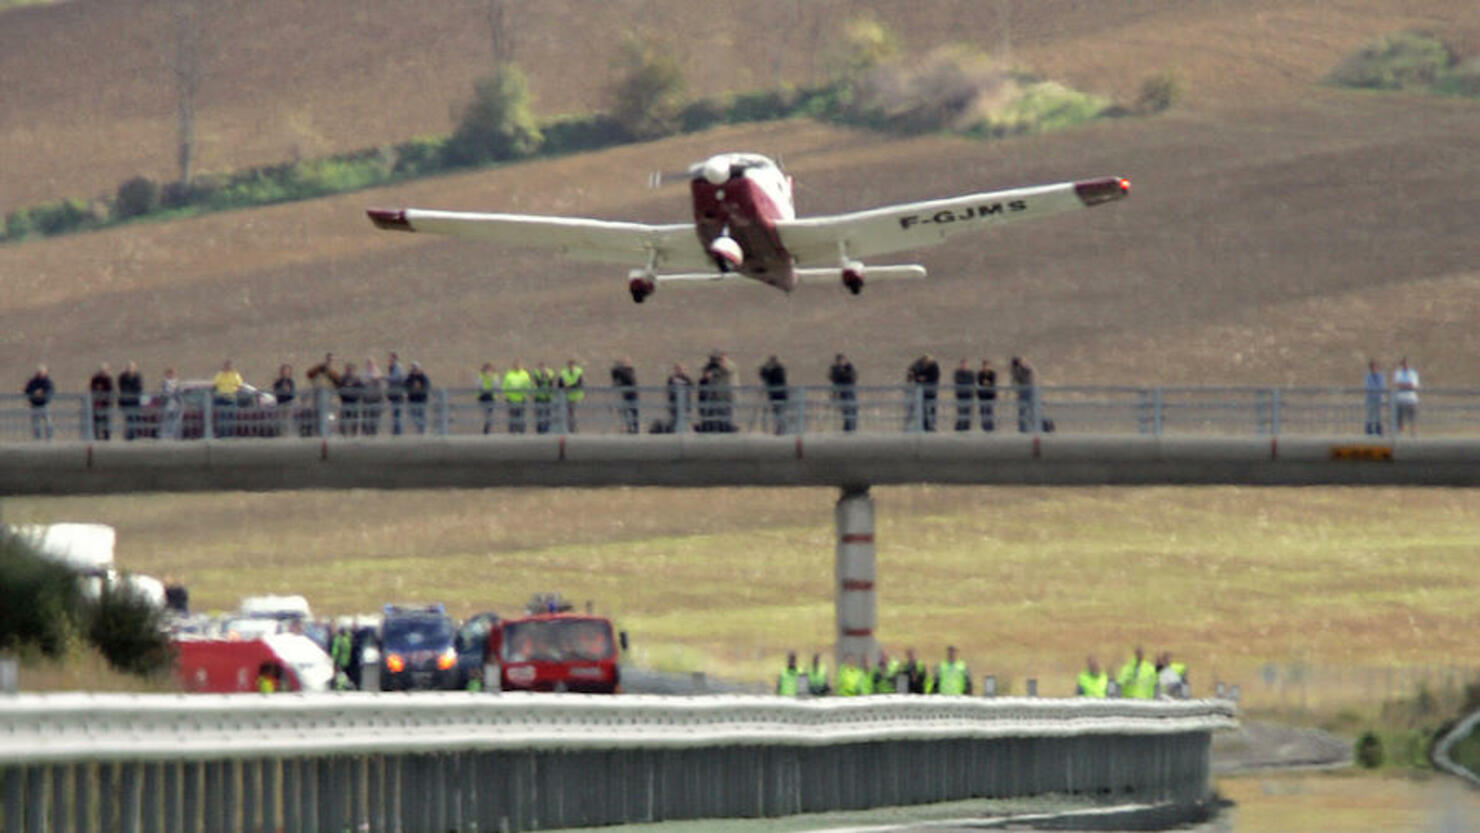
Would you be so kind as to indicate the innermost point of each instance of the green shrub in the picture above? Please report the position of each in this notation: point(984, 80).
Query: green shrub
point(1403, 61)
point(766, 105)
point(129, 632)
point(1040, 108)
point(1158, 92)
point(62, 216)
point(498, 125)
point(135, 198)
point(19, 224)
point(335, 175)
point(421, 155)
point(570, 134)
point(703, 114)
point(1369, 750)
point(43, 601)
point(647, 98)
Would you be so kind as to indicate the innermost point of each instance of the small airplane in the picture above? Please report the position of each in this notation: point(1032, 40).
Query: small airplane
point(745, 227)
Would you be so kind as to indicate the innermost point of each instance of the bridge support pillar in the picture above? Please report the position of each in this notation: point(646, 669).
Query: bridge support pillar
point(854, 568)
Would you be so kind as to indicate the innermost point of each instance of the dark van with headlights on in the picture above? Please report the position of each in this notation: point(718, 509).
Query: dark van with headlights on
point(416, 649)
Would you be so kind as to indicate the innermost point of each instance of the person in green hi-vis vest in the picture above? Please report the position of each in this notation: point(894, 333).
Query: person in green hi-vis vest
point(1137, 678)
point(952, 676)
point(853, 679)
point(1092, 681)
point(789, 683)
point(517, 385)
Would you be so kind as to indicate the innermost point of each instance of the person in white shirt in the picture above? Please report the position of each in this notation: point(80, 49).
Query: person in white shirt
point(1405, 396)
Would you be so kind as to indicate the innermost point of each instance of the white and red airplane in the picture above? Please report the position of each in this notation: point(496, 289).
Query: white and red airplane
point(745, 226)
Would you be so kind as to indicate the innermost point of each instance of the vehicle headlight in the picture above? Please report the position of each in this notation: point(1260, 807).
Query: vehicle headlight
point(447, 659)
point(395, 663)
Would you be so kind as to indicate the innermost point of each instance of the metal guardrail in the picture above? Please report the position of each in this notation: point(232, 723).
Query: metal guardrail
point(465, 762)
point(1207, 411)
point(1461, 730)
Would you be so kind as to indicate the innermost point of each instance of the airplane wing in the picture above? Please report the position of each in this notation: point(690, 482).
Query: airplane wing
point(815, 241)
point(674, 246)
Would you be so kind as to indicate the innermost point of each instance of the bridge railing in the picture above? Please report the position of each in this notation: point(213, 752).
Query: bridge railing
point(457, 761)
point(892, 409)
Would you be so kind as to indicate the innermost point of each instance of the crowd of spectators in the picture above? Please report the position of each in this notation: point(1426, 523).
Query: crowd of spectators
point(366, 400)
point(1138, 678)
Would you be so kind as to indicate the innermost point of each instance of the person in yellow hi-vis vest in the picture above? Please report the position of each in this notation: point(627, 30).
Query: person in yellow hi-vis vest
point(853, 679)
point(269, 678)
point(789, 683)
point(1092, 681)
point(573, 382)
point(517, 385)
point(1137, 678)
point(952, 677)
point(488, 379)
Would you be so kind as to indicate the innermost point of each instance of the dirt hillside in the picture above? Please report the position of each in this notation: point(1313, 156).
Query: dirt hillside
point(90, 92)
point(1280, 230)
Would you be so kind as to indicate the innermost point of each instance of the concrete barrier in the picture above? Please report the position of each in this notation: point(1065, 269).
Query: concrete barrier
point(462, 762)
point(690, 460)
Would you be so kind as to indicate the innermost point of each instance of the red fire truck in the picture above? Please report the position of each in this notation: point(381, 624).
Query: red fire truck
point(554, 651)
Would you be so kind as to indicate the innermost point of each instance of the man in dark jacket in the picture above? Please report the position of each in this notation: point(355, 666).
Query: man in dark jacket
point(351, 391)
point(417, 385)
point(965, 381)
point(680, 398)
point(38, 392)
point(624, 379)
point(773, 376)
point(924, 374)
point(100, 390)
point(130, 391)
point(986, 394)
point(1027, 395)
point(844, 379)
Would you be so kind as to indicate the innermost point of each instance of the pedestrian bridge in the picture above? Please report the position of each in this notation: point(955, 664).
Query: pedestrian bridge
point(852, 462)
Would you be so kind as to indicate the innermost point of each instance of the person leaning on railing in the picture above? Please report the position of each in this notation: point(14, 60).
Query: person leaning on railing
point(100, 394)
point(624, 379)
point(517, 385)
point(130, 394)
point(351, 386)
point(573, 382)
point(986, 394)
point(39, 390)
point(844, 379)
point(325, 381)
point(417, 386)
point(224, 388)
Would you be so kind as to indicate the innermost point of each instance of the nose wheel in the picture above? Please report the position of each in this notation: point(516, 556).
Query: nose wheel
point(853, 281)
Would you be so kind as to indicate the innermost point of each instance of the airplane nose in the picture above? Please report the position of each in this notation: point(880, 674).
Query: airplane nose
point(717, 171)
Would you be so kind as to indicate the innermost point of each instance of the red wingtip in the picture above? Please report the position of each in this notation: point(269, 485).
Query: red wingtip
point(390, 219)
point(1096, 191)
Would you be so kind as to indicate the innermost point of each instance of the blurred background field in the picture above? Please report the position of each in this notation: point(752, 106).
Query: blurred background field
point(1317, 602)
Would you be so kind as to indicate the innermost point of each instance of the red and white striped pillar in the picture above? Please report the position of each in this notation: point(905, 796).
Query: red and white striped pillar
point(857, 616)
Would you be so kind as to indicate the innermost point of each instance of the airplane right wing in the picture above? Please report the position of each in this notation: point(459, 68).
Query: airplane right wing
point(674, 246)
point(817, 241)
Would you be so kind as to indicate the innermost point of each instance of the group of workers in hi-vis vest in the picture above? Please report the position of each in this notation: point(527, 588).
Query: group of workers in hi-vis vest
point(1138, 678)
point(890, 676)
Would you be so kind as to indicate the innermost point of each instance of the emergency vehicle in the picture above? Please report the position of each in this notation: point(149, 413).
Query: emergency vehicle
point(554, 650)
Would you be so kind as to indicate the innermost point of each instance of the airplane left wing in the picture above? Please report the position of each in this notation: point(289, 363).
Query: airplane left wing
point(635, 244)
point(814, 241)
